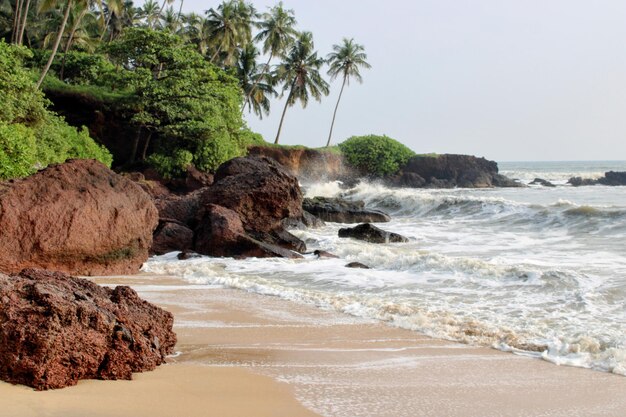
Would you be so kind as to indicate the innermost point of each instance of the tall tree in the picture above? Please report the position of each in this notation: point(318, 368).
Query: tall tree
point(230, 28)
point(346, 60)
point(277, 32)
point(47, 5)
point(300, 75)
point(151, 12)
point(256, 86)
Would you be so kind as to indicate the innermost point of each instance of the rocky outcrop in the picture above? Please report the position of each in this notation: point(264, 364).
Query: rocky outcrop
point(56, 329)
point(611, 178)
point(357, 265)
point(449, 171)
point(339, 210)
point(542, 182)
point(258, 189)
point(78, 217)
point(309, 165)
point(240, 215)
point(372, 234)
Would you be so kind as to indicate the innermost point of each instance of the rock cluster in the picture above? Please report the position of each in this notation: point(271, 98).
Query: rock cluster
point(241, 214)
point(56, 329)
point(611, 178)
point(79, 217)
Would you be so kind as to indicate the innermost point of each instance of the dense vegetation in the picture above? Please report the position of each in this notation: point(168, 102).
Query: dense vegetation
point(377, 155)
point(185, 79)
point(31, 136)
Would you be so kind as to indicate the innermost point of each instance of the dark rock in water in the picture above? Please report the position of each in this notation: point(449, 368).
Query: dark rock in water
point(578, 181)
point(221, 233)
point(56, 329)
point(188, 254)
point(449, 170)
point(324, 254)
point(258, 189)
point(372, 234)
point(357, 265)
point(541, 181)
point(342, 211)
point(79, 217)
point(307, 220)
point(613, 178)
point(171, 236)
point(280, 237)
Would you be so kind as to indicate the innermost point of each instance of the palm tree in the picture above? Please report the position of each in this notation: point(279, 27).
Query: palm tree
point(48, 5)
point(230, 27)
point(151, 12)
point(255, 85)
point(300, 74)
point(277, 34)
point(345, 60)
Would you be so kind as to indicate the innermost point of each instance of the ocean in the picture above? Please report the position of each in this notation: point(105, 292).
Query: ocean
point(537, 271)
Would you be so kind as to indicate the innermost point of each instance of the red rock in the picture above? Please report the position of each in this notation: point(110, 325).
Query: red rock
point(171, 236)
point(56, 329)
point(79, 217)
point(259, 189)
point(221, 233)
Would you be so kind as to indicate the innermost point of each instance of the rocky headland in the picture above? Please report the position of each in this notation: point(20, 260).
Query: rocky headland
point(611, 178)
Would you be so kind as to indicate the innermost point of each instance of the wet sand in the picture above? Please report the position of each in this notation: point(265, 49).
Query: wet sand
point(277, 357)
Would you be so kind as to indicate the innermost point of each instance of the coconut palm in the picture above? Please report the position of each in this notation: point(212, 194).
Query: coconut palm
point(345, 61)
point(151, 12)
point(257, 86)
point(48, 5)
point(230, 27)
point(277, 33)
point(300, 74)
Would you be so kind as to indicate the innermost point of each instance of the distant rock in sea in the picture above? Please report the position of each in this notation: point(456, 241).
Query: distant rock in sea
point(372, 234)
point(611, 178)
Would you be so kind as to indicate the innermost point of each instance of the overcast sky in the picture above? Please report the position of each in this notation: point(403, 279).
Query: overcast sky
point(510, 80)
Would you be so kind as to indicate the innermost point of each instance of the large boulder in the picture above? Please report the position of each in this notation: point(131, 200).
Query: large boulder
point(372, 234)
point(258, 189)
point(79, 217)
point(339, 210)
point(613, 178)
point(171, 236)
point(56, 329)
point(221, 233)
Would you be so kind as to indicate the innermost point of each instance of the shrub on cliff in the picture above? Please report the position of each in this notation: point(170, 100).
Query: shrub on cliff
point(188, 105)
point(375, 155)
point(31, 136)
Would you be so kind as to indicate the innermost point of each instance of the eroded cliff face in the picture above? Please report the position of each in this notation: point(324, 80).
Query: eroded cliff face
point(309, 165)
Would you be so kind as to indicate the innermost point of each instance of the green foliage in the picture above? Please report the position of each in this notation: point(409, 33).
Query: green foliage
point(249, 138)
point(80, 67)
point(191, 104)
point(170, 166)
point(376, 155)
point(17, 150)
point(32, 137)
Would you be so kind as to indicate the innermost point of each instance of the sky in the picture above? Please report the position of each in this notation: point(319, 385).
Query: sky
point(510, 80)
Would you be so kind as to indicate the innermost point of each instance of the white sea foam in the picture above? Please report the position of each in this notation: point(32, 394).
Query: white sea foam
point(535, 271)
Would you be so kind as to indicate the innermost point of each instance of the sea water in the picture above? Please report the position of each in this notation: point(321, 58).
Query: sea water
point(539, 271)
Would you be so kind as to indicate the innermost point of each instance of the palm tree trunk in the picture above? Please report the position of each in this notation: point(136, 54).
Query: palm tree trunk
point(56, 43)
point(180, 10)
point(17, 17)
point(282, 118)
point(161, 10)
point(70, 39)
point(106, 25)
point(267, 65)
point(219, 49)
point(20, 38)
point(335, 112)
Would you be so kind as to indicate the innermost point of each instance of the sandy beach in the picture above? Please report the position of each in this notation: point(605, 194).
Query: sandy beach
point(242, 354)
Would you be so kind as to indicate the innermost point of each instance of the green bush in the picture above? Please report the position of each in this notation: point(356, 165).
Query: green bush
point(171, 166)
point(80, 67)
point(31, 136)
point(375, 155)
point(17, 151)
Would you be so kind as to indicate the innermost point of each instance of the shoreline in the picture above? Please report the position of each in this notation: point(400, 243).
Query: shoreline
point(277, 357)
